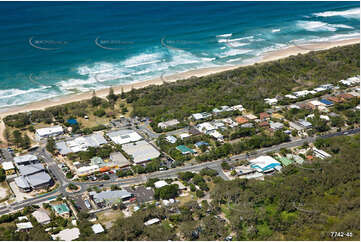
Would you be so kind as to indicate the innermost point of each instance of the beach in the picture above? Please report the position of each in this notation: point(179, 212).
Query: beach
point(268, 56)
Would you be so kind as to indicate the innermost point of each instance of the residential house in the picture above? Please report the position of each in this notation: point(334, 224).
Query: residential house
point(263, 116)
point(241, 120)
point(8, 167)
point(168, 124)
point(61, 210)
point(171, 139)
point(41, 217)
point(185, 150)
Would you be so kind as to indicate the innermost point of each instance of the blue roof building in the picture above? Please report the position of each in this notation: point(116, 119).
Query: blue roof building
point(201, 143)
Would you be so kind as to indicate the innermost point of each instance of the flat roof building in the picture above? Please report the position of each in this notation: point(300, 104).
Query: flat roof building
point(80, 144)
point(141, 151)
point(67, 234)
point(97, 228)
point(119, 160)
point(108, 198)
point(160, 184)
point(25, 159)
point(265, 164)
point(48, 132)
point(124, 136)
point(8, 167)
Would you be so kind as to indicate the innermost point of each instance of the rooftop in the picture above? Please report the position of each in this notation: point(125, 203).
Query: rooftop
point(119, 159)
point(67, 234)
point(124, 136)
point(184, 149)
point(8, 165)
point(61, 208)
point(25, 158)
point(141, 151)
point(97, 228)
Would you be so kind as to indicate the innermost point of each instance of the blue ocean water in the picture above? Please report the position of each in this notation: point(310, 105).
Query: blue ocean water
point(48, 49)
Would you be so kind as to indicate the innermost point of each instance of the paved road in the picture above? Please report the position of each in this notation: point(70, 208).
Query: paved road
point(172, 173)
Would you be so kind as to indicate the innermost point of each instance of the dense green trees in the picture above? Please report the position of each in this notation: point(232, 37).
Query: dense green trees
point(247, 85)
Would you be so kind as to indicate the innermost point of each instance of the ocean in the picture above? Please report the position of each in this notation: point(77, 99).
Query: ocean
point(49, 49)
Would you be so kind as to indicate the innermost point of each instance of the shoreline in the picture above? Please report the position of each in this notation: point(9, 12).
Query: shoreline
point(266, 57)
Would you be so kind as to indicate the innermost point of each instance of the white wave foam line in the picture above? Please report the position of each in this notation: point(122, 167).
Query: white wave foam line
point(144, 63)
point(275, 30)
point(8, 93)
point(29, 96)
point(142, 59)
point(350, 13)
point(320, 26)
point(236, 44)
point(233, 52)
point(224, 35)
point(336, 37)
point(249, 38)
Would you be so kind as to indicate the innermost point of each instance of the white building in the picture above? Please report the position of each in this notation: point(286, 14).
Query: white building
point(97, 228)
point(24, 226)
point(124, 136)
point(160, 184)
point(301, 93)
point(80, 143)
point(320, 153)
point(184, 135)
point(171, 139)
point(87, 170)
point(238, 107)
point(271, 101)
point(25, 160)
point(67, 234)
point(167, 124)
point(141, 151)
point(152, 221)
point(199, 116)
point(205, 127)
point(48, 132)
point(41, 216)
point(265, 164)
point(290, 96)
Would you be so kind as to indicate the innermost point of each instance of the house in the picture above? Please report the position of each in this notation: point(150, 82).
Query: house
point(124, 136)
point(271, 101)
point(119, 160)
point(265, 164)
point(199, 116)
point(247, 125)
point(168, 124)
point(290, 96)
point(238, 107)
point(108, 198)
point(319, 89)
point(320, 153)
point(160, 184)
point(61, 210)
point(277, 116)
point(41, 217)
point(185, 150)
point(315, 104)
point(45, 133)
point(304, 124)
point(296, 158)
point(171, 139)
point(180, 185)
point(326, 102)
point(264, 116)
point(250, 116)
point(301, 93)
point(193, 131)
point(335, 99)
point(222, 109)
point(216, 135)
point(276, 125)
point(184, 135)
point(152, 221)
point(229, 122)
point(241, 120)
point(345, 96)
point(97, 228)
point(8, 167)
point(26, 226)
point(25, 160)
point(264, 124)
point(205, 127)
point(67, 234)
point(141, 151)
point(201, 143)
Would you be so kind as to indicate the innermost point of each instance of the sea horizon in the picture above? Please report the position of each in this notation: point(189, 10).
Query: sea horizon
point(49, 50)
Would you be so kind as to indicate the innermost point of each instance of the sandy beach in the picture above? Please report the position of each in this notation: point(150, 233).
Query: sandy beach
point(268, 56)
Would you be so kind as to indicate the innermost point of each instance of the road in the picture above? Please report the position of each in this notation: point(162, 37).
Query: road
point(171, 173)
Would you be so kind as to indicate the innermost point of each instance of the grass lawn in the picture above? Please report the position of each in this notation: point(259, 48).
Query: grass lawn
point(109, 216)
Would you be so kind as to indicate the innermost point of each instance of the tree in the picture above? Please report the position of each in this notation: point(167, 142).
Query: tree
point(50, 145)
point(166, 192)
point(2, 175)
point(95, 101)
point(71, 186)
